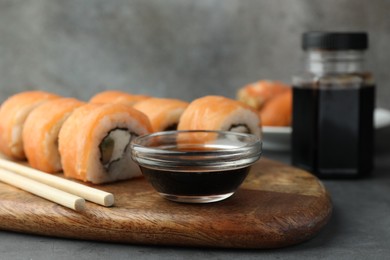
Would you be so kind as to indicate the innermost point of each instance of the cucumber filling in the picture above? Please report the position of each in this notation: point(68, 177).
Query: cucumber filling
point(240, 128)
point(114, 148)
point(171, 127)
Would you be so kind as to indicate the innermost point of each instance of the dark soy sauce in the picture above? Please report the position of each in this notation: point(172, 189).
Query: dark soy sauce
point(195, 183)
point(333, 130)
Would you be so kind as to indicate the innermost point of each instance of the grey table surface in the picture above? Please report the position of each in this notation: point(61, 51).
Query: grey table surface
point(358, 229)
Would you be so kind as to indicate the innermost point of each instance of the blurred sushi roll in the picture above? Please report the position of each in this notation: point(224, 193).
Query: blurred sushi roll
point(13, 114)
point(278, 111)
point(163, 113)
point(40, 133)
point(258, 93)
point(272, 100)
point(116, 96)
point(220, 113)
point(94, 142)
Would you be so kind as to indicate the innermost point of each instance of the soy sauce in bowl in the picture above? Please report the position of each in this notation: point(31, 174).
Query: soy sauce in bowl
point(196, 166)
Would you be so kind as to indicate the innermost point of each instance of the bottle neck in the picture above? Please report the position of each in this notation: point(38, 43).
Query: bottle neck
point(322, 62)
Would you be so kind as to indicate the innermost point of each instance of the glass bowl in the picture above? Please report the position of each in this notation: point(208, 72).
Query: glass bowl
point(197, 166)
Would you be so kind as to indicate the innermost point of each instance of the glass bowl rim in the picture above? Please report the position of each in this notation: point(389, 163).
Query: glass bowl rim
point(226, 157)
point(254, 140)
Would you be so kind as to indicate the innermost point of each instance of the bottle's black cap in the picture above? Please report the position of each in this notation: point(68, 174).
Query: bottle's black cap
point(335, 40)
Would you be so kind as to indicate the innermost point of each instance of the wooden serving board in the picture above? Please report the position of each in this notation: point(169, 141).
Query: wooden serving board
point(276, 206)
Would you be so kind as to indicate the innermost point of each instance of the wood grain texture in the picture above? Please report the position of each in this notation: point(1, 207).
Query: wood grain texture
point(276, 206)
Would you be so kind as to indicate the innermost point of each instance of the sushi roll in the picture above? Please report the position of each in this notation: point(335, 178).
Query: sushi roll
point(163, 113)
point(13, 113)
point(278, 111)
point(220, 113)
point(116, 96)
point(40, 133)
point(94, 142)
point(257, 94)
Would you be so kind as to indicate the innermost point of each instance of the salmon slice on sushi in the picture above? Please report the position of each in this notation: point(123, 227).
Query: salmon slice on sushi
point(116, 96)
point(13, 114)
point(220, 113)
point(40, 133)
point(94, 142)
point(163, 113)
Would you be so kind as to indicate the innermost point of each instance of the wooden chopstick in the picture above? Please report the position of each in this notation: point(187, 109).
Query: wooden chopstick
point(43, 190)
point(88, 193)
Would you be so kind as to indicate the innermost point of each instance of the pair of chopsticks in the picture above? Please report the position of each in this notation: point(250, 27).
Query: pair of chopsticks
point(61, 191)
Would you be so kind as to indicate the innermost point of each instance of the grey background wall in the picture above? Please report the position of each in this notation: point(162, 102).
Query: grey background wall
point(173, 48)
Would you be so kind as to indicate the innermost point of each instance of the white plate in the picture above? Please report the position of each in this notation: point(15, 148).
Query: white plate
point(276, 138)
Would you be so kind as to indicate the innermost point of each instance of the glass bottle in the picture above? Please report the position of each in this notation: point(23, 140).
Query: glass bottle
point(333, 106)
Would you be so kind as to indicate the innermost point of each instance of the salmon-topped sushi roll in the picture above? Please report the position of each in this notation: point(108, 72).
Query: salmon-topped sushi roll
point(220, 113)
point(13, 113)
point(163, 113)
point(278, 111)
point(40, 133)
point(257, 94)
point(94, 142)
point(116, 96)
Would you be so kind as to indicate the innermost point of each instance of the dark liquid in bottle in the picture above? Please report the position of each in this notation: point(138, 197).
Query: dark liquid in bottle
point(194, 183)
point(333, 130)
